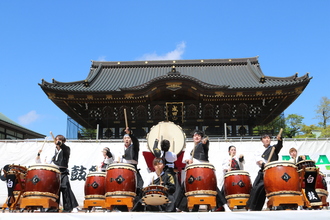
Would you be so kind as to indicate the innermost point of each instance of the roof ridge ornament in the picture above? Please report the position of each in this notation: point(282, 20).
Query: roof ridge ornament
point(173, 71)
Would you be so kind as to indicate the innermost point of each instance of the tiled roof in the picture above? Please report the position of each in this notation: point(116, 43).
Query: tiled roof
point(243, 73)
point(4, 120)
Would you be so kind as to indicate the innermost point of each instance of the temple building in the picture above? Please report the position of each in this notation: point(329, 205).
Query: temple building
point(210, 95)
point(10, 130)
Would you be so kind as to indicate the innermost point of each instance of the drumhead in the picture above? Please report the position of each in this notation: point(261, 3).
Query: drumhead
point(169, 131)
point(96, 174)
point(279, 163)
point(200, 165)
point(121, 166)
point(50, 167)
point(306, 162)
point(237, 172)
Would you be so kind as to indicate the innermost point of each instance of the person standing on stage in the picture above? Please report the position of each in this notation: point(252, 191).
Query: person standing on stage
point(200, 152)
point(108, 159)
point(131, 155)
point(293, 156)
point(258, 193)
point(61, 159)
point(233, 162)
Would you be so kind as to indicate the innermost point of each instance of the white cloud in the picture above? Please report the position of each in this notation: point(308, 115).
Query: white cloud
point(172, 55)
point(29, 118)
point(101, 58)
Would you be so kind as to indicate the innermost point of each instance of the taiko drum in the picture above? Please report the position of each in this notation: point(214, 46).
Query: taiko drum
point(42, 180)
point(237, 184)
point(321, 187)
point(120, 180)
point(281, 178)
point(200, 179)
point(95, 185)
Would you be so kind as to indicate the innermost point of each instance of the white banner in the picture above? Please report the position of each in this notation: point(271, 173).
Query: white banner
point(86, 155)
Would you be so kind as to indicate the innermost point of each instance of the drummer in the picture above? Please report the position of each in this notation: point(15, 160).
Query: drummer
point(130, 155)
point(61, 159)
point(233, 162)
point(159, 177)
point(169, 158)
point(107, 159)
point(258, 193)
point(200, 154)
point(293, 156)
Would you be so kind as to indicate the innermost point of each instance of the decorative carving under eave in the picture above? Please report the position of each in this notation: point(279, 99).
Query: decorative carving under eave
point(174, 86)
point(71, 96)
point(51, 95)
point(219, 94)
point(258, 92)
point(278, 92)
point(299, 90)
point(129, 95)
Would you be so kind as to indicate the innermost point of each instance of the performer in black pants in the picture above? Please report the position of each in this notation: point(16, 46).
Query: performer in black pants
point(61, 159)
point(258, 193)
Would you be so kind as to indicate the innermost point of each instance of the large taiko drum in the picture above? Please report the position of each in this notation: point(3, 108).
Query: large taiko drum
point(281, 178)
point(305, 164)
point(237, 184)
point(321, 187)
point(42, 180)
point(95, 185)
point(169, 131)
point(120, 180)
point(200, 179)
point(155, 195)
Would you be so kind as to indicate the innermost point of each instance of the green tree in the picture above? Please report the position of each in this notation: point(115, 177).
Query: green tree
point(88, 133)
point(325, 133)
point(307, 131)
point(293, 125)
point(323, 111)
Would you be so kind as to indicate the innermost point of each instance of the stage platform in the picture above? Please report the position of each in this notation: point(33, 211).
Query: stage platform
point(253, 215)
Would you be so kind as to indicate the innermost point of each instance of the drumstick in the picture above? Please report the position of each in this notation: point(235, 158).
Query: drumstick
point(43, 145)
point(126, 123)
point(51, 133)
point(273, 148)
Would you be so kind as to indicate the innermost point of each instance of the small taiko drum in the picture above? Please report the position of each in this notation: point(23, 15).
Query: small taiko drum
point(120, 180)
point(19, 171)
point(306, 164)
point(95, 185)
point(281, 178)
point(200, 179)
point(42, 180)
point(155, 195)
point(237, 184)
point(321, 187)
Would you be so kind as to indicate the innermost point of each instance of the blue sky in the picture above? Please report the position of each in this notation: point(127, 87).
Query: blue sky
point(58, 39)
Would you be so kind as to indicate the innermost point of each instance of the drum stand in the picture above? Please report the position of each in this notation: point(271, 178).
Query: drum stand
point(285, 200)
point(90, 203)
point(34, 203)
point(210, 201)
point(112, 201)
point(238, 202)
point(17, 196)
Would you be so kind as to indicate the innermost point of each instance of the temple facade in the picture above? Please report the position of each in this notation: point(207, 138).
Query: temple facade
point(217, 96)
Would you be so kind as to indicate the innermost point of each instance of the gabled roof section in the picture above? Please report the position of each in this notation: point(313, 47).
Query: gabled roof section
point(6, 122)
point(235, 74)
